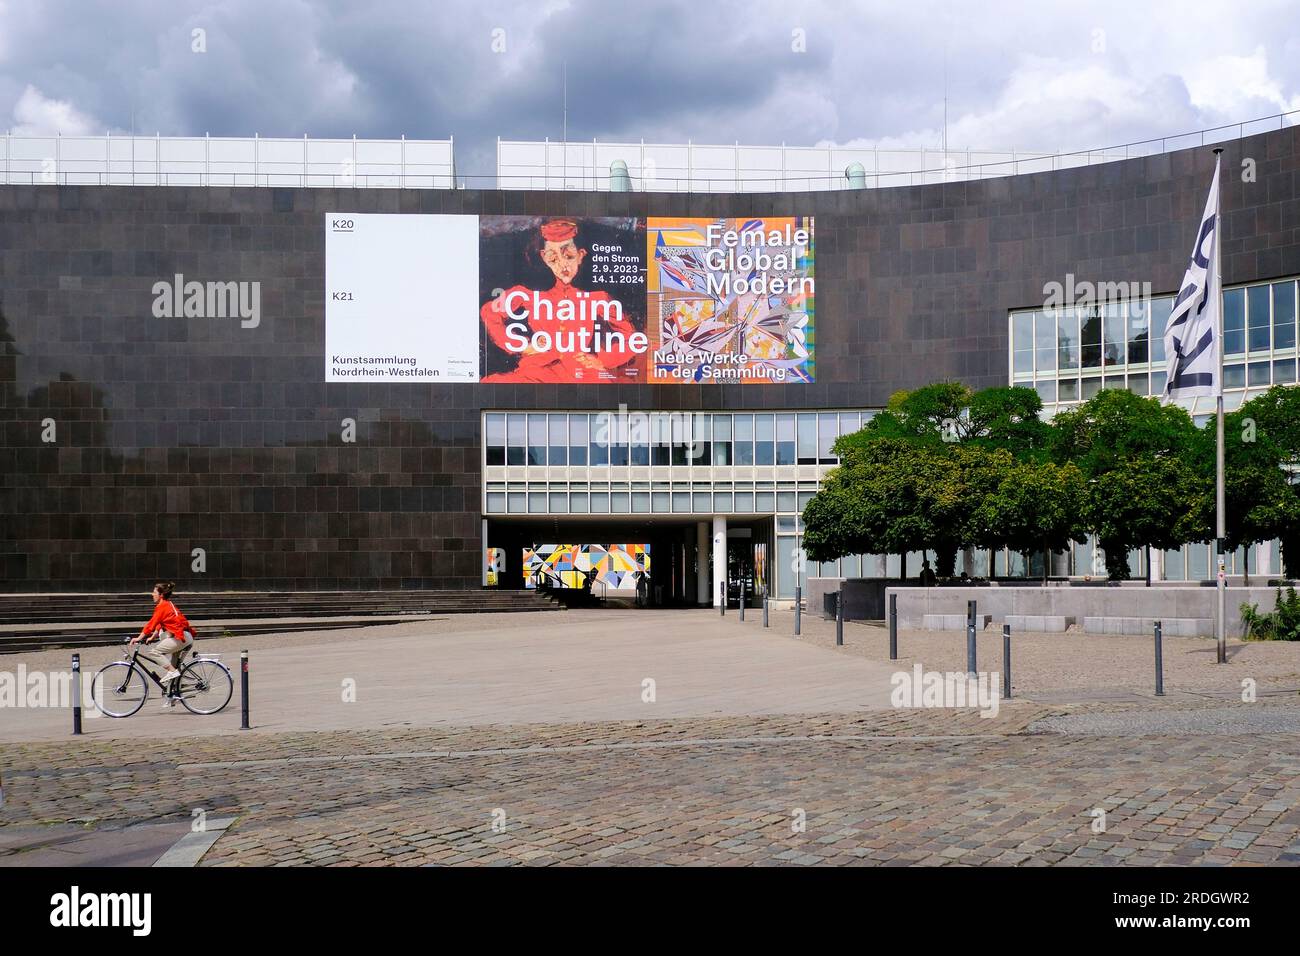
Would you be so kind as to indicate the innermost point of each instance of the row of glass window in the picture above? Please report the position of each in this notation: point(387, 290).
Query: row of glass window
point(643, 497)
point(661, 438)
point(1256, 319)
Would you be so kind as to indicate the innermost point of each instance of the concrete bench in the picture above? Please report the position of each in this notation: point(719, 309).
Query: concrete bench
point(1170, 626)
point(952, 622)
point(1043, 623)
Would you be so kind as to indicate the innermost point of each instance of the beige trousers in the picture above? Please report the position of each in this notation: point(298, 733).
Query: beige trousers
point(167, 651)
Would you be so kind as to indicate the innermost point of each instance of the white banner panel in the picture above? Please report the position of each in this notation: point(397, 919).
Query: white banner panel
point(401, 298)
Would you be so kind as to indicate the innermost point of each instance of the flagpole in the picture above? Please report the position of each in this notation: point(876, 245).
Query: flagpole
point(1221, 583)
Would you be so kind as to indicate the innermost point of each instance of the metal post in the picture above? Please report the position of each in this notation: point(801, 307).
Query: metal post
point(1160, 665)
point(798, 608)
point(970, 637)
point(76, 695)
point(839, 618)
point(742, 601)
point(893, 627)
point(765, 610)
point(243, 690)
point(722, 598)
point(1006, 661)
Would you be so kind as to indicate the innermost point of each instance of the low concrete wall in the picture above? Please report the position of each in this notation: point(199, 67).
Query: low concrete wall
point(1189, 610)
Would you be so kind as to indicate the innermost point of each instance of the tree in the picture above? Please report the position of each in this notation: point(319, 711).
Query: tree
point(1261, 451)
point(1035, 506)
point(1143, 464)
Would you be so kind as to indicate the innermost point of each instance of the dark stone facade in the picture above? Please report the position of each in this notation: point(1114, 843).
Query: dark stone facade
point(175, 434)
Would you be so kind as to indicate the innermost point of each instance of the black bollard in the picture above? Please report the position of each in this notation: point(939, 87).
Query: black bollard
point(243, 691)
point(1160, 664)
point(742, 602)
point(893, 627)
point(76, 695)
point(970, 637)
point(765, 609)
point(798, 608)
point(839, 618)
point(1006, 661)
point(722, 598)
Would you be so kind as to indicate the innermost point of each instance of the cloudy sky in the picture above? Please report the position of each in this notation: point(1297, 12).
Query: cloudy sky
point(1029, 75)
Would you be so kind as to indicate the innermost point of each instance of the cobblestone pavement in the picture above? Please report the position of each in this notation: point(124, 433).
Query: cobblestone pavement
point(891, 788)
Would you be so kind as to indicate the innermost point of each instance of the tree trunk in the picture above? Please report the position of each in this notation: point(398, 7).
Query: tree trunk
point(902, 565)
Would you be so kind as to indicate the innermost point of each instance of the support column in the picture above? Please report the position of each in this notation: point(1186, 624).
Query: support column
point(702, 574)
point(482, 556)
point(719, 557)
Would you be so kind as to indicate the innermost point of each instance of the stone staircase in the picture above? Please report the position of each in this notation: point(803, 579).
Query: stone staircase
point(36, 621)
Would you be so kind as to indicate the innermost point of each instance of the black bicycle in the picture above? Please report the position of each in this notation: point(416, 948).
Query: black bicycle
point(120, 689)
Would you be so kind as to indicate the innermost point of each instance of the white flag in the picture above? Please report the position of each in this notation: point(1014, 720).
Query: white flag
point(1192, 333)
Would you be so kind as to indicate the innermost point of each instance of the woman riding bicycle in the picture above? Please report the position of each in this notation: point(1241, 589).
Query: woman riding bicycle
point(168, 632)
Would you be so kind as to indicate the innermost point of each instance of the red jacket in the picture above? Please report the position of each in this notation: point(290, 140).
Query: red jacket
point(171, 620)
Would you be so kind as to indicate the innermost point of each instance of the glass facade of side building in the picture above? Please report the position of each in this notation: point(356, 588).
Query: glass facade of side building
point(1069, 354)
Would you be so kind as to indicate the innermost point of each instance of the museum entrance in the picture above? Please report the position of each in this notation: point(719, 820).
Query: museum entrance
point(632, 562)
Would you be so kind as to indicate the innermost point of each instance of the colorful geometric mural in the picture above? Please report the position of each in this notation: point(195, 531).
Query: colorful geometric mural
point(496, 566)
point(615, 564)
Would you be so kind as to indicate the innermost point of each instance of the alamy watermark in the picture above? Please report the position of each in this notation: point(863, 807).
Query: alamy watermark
point(179, 299)
point(934, 689)
point(1085, 294)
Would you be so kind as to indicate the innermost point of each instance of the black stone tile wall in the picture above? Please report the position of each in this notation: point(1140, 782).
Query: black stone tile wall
point(176, 434)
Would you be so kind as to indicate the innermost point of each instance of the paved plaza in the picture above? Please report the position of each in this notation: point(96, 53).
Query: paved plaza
point(528, 741)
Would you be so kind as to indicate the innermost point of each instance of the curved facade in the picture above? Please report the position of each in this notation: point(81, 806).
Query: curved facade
point(131, 440)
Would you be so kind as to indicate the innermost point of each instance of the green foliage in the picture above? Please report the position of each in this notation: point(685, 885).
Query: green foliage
point(944, 468)
point(1280, 624)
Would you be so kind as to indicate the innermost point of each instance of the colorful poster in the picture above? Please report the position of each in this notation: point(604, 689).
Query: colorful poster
point(562, 300)
point(565, 565)
point(732, 299)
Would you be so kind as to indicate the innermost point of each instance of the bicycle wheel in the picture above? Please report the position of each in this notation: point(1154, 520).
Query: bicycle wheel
point(205, 687)
point(119, 689)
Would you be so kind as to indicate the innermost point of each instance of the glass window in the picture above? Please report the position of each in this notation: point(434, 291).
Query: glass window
point(558, 502)
point(1090, 387)
point(1113, 334)
point(1022, 331)
point(1283, 315)
point(579, 436)
point(496, 502)
point(744, 439)
point(536, 441)
point(620, 502)
point(722, 501)
point(517, 502)
point(660, 501)
point(1067, 339)
point(1158, 382)
point(1284, 371)
point(804, 498)
point(536, 503)
point(1234, 321)
point(765, 502)
point(598, 447)
point(1257, 318)
point(681, 501)
point(828, 429)
point(1138, 321)
point(600, 502)
point(1090, 338)
point(1069, 390)
point(516, 440)
point(1160, 309)
point(850, 422)
point(764, 450)
point(495, 439)
point(1257, 373)
point(1046, 391)
point(785, 440)
point(639, 436)
point(785, 501)
point(1234, 376)
point(807, 439)
point(722, 439)
point(558, 446)
point(1139, 384)
point(578, 503)
point(1175, 566)
point(1045, 340)
point(618, 439)
point(702, 502)
point(786, 580)
point(744, 501)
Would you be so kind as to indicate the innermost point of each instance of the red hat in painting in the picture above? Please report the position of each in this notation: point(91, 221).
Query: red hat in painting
point(559, 230)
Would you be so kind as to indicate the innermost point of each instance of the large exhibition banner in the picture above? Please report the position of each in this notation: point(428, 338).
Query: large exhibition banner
point(553, 299)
